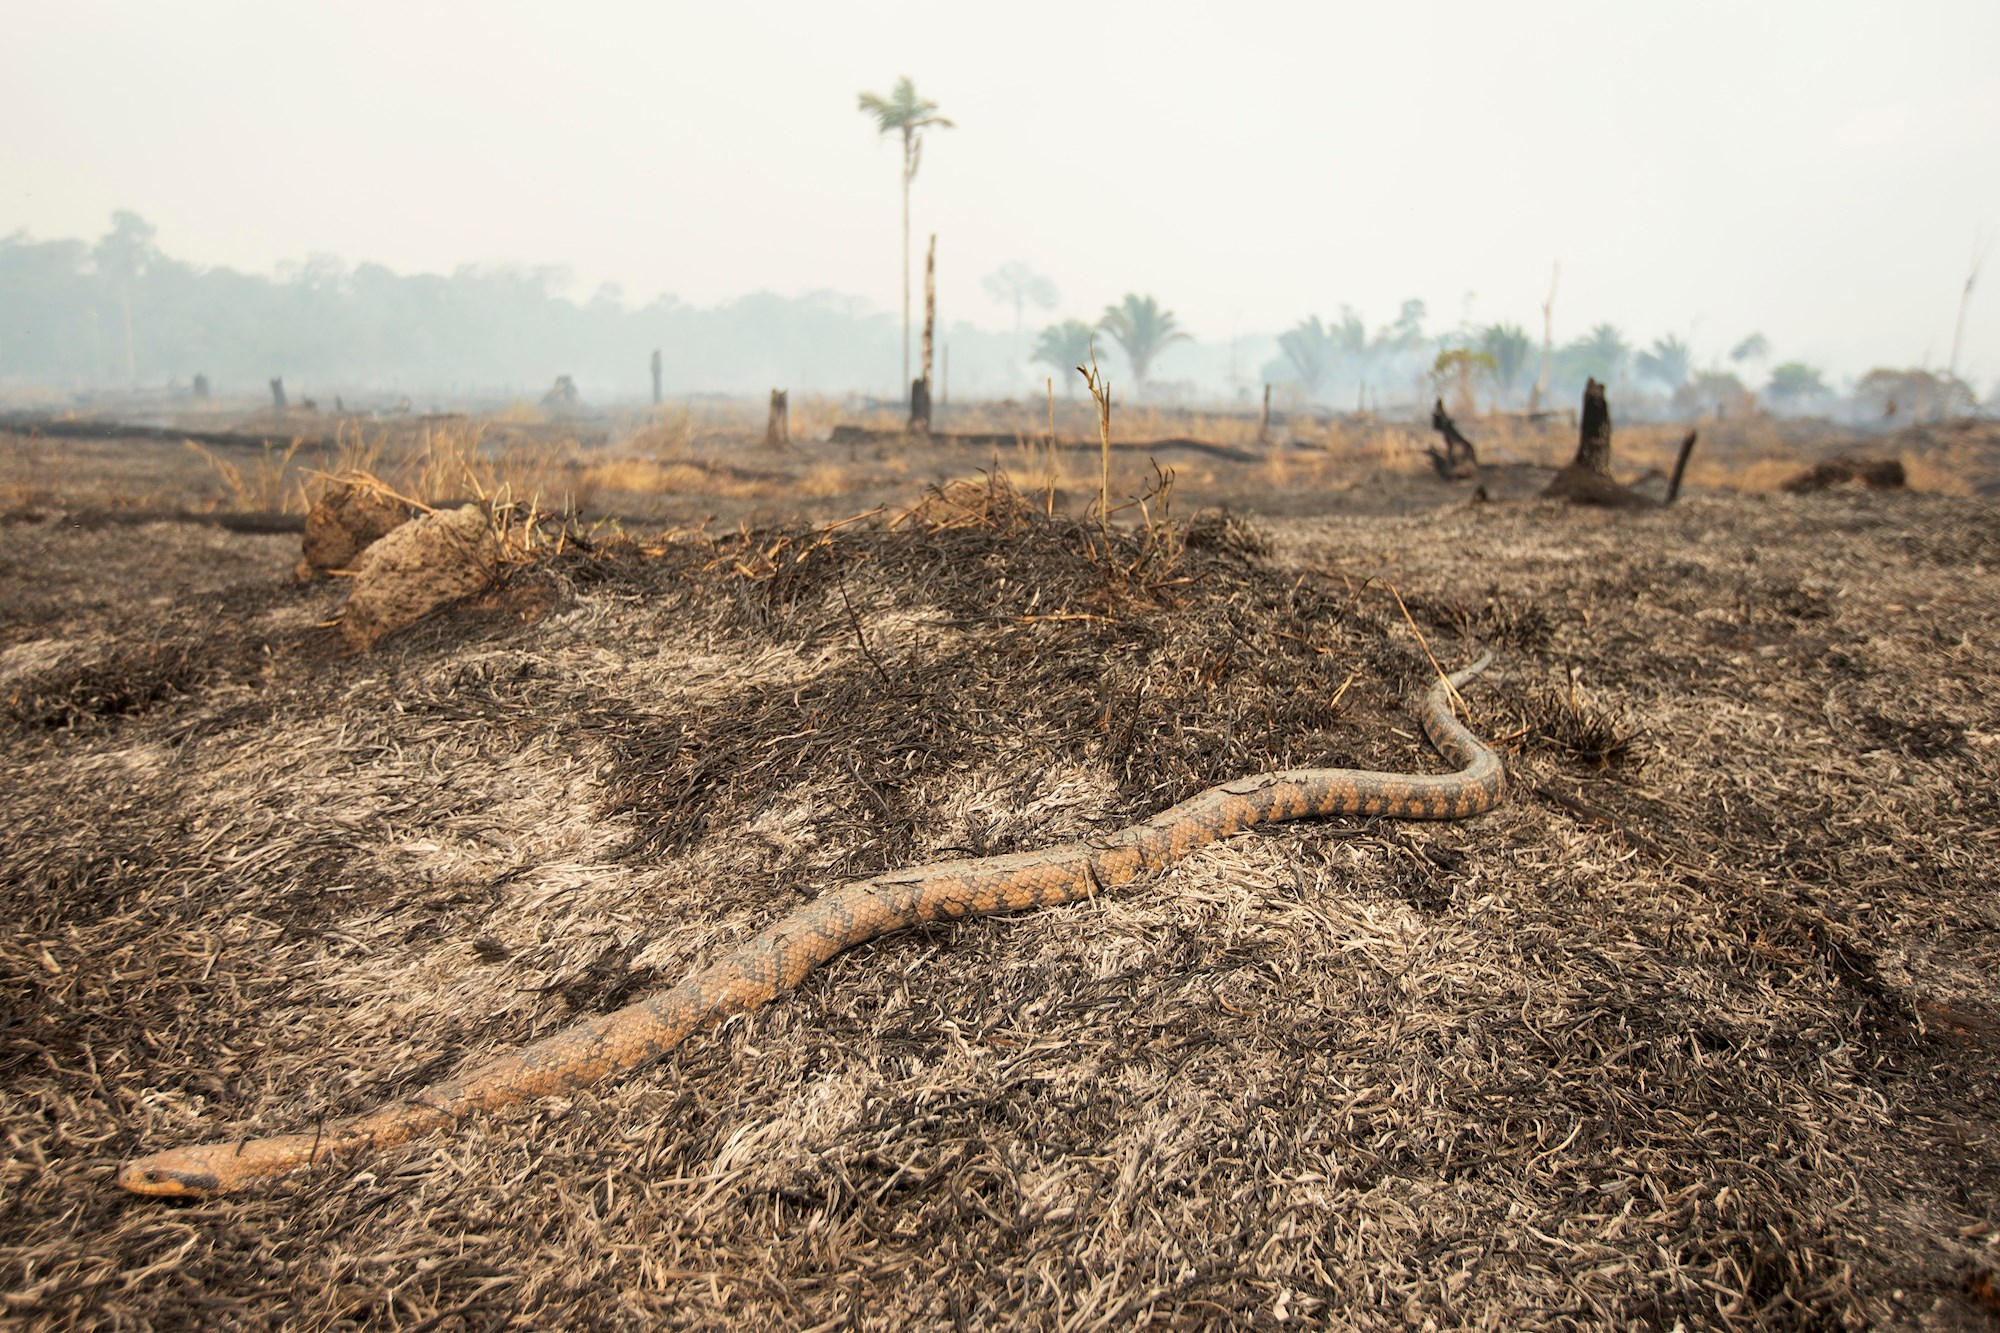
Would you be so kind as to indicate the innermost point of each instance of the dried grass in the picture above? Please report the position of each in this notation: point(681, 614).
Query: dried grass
point(269, 485)
point(1663, 1042)
point(1647, 1047)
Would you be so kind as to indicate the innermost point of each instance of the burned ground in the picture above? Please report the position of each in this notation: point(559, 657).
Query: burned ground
point(1696, 1029)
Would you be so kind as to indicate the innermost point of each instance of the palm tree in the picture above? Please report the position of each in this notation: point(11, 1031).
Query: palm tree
point(1509, 346)
point(1351, 332)
point(1142, 329)
point(903, 111)
point(1600, 354)
point(1669, 361)
point(1311, 349)
point(1064, 346)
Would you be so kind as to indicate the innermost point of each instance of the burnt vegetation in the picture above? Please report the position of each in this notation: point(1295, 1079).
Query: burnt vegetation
point(1696, 1029)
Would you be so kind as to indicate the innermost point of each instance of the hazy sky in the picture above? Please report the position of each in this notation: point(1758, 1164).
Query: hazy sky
point(1819, 171)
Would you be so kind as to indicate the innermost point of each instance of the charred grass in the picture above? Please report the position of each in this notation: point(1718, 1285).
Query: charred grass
point(1696, 1030)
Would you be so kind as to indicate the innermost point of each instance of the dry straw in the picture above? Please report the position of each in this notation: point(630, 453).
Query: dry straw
point(1700, 1037)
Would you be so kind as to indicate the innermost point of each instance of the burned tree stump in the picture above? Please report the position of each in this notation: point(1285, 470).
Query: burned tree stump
point(778, 428)
point(1588, 480)
point(1458, 460)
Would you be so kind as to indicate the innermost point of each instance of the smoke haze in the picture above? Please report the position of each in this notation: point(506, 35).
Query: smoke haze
point(1813, 172)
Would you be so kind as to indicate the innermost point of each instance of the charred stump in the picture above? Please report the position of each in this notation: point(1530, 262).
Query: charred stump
point(1458, 460)
point(778, 427)
point(1588, 480)
point(1593, 431)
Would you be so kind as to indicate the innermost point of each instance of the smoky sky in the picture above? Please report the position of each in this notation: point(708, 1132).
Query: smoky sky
point(1818, 172)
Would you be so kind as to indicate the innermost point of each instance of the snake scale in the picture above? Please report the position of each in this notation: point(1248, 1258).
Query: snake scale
point(613, 1044)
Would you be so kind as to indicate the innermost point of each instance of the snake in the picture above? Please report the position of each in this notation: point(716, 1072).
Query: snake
point(608, 1046)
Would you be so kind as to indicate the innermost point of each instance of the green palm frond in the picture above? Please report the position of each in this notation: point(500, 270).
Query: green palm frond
point(1142, 330)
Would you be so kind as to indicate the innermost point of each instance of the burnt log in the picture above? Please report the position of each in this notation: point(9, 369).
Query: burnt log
point(1875, 474)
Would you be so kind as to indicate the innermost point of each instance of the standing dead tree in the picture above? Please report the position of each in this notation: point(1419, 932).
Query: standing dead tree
point(1588, 480)
point(920, 389)
point(1548, 342)
point(1979, 250)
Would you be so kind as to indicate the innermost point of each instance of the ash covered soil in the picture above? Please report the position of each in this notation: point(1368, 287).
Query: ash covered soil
point(1698, 1029)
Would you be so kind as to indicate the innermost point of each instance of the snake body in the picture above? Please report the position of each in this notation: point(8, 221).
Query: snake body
point(781, 956)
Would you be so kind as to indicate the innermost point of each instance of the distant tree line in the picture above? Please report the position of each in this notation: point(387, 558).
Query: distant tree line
point(122, 313)
point(1339, 362)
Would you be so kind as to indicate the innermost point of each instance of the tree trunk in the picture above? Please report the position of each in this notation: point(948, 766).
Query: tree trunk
point(1264, 424)
point(907, 145)
point(778, 428)
point(1548, 342)
point(1593, 434)
point(656, 377)
point(132, 364)
point(930, 304)
point(278, 392)
point(920, 400)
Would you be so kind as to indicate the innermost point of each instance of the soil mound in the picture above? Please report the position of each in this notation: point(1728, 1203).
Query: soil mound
point(345, 521)
point(1875, 474)
point(417, 568)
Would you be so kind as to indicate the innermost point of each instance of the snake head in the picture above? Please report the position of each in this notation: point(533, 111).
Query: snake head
point(172, 1175)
